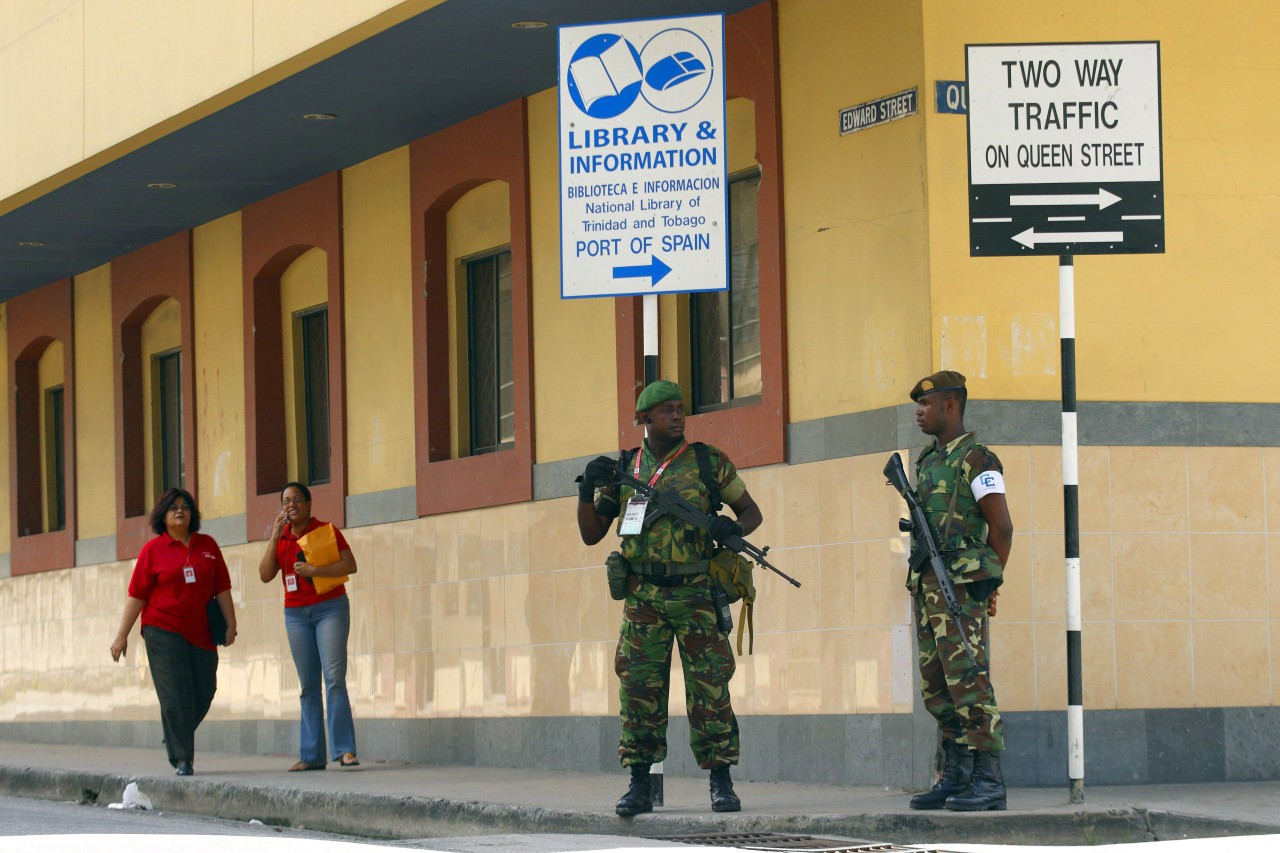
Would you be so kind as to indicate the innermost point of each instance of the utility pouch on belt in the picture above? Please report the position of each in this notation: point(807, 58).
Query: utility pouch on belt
point(616, 569)
point(732, 573)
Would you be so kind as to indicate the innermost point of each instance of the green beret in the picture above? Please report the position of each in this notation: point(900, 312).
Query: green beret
point(658, 392)
point(943, 380)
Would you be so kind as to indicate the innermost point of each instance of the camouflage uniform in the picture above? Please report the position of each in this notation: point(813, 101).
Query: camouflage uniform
point(964, 705)
point(660, 608)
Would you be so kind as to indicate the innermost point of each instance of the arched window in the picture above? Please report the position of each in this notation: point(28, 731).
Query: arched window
point(294, 381)
point(151, 306)
point(731, 347)
point(473, 355)
point(42, 441)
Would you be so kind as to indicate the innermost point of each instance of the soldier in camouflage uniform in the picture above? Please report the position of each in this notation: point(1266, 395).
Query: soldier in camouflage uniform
point(961, 484)
point(669, 597)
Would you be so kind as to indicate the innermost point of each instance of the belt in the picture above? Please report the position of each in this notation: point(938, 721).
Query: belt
point(668, 570)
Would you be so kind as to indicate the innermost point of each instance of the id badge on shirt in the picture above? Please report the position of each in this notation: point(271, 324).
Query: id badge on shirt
point(291, 581)
point(189, 574)
point(633, 518)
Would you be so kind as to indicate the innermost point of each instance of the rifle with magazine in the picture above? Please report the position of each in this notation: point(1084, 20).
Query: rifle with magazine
point(925, 548)
point(680, 508)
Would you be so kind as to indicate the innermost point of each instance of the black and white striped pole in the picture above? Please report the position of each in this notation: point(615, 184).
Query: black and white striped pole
point(649, 306)
point(1071, 526)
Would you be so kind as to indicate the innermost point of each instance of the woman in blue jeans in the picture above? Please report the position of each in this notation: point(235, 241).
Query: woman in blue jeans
point(317, 624)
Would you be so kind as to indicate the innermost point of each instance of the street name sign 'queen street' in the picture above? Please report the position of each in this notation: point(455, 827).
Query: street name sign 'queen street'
point(1065, 150)
point(643, 201)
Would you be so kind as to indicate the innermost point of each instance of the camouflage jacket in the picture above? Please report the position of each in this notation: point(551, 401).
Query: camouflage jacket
point(664, 538)
point(962, 530)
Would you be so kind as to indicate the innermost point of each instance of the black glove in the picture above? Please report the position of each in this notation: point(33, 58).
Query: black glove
point(722, 527)
point(598, 473)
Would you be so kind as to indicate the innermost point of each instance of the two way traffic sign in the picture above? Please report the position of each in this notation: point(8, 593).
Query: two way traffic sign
point(1065, 149)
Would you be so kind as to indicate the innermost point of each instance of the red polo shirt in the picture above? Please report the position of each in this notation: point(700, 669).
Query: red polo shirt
point(173, 601)
point(287, 554)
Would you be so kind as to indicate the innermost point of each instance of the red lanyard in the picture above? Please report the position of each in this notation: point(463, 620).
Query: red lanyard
point(662, 467)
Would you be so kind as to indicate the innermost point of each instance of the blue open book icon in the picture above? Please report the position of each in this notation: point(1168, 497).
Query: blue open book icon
point(673, 70)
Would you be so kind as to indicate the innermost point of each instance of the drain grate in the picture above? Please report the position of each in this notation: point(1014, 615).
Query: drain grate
point(794, 843)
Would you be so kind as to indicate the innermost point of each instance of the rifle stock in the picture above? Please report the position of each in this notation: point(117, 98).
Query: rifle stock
point(926, 549)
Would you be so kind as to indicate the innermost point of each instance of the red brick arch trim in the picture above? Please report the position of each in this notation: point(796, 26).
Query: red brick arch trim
point(442, 168)
point(140, 282)
point(35, 320)
point(276, 232)
point(755, 434)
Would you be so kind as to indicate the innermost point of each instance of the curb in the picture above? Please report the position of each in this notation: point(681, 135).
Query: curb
point(387, 817)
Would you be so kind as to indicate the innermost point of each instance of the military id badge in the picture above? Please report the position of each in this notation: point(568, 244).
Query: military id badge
point(633, 518)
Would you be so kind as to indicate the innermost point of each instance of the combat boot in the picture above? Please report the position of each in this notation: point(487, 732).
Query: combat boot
point(723, 799)
point(986, 787)
point(639, 795)
point(957, 767)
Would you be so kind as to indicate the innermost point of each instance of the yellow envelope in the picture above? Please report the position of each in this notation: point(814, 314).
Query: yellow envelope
point(321, 548)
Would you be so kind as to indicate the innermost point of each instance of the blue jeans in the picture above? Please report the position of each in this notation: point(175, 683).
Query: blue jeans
point(318, 640)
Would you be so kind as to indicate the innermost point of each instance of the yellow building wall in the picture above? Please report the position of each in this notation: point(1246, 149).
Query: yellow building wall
point(858, 311)
point(378, 307)
point(161, 332)
point(1193, 324)
point(71, 70)
point(477, 222)
point(95, 406)
point(305, 284)
point(575, 376)
point(218, 304)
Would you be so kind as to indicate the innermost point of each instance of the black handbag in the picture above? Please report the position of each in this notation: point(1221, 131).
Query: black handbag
point(217, 622)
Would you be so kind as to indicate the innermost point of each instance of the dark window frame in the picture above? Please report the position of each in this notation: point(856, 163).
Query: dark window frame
point(55, 465)
point(697, 301)
point(485, 417)
point(163, 430)
point(311, 393)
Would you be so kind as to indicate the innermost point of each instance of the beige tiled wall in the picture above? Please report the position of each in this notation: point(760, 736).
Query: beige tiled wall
point(503, 612)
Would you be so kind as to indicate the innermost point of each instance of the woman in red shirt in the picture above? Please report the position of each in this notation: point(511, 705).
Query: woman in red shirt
point(175, 576)
point(317, 624)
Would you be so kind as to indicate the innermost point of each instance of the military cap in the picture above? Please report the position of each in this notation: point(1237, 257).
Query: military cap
point(658, 392)
point(943, 380)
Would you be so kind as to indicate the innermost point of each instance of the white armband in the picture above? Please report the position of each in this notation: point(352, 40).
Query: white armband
point(987, 483)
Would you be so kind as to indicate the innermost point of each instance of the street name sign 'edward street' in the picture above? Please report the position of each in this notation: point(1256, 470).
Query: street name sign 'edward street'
point(1065, 152)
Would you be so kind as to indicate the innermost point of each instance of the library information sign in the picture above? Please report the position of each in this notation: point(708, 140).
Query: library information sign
point(643, 190)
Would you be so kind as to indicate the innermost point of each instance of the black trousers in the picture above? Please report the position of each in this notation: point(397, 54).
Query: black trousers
point(186, 677)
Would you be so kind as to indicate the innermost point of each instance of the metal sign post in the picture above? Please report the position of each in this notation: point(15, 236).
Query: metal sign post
point(1065, 158)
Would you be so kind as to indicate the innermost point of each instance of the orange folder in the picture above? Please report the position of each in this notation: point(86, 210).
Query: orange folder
point(321, 548)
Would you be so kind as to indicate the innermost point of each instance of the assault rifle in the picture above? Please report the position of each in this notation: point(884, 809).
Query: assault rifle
point(689, 514)
point(925, 548)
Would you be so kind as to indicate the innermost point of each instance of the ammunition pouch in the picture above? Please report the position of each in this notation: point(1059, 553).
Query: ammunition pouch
point(617, 568)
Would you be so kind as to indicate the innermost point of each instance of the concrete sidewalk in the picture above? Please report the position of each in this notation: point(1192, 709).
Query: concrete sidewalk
point(400, 800)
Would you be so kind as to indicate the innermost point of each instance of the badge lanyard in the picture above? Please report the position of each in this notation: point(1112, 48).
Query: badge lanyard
point(290, 579)
point(188, 570)
point(633, 518)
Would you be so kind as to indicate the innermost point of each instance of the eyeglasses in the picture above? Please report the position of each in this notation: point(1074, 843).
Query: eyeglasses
point(179, 508)
point(295, 500)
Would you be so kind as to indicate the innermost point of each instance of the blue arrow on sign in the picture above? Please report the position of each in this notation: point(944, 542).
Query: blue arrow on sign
point(657, 269)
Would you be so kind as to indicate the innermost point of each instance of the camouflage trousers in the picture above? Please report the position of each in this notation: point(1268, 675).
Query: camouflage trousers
point(963, 703)
point(652, 617)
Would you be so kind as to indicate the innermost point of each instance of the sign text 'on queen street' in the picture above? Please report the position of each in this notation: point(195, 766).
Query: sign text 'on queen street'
point(1065, 149)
